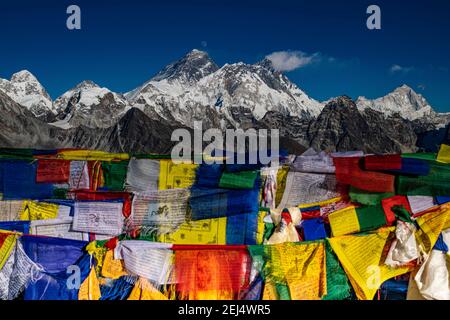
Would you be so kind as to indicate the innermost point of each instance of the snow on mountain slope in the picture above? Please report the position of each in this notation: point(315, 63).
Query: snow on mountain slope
point(188, 88)
point(403, 100)
point(26, 90)
point(89, 105)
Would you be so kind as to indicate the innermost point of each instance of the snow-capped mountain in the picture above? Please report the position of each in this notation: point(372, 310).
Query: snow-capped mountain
point(27, 91)
point(89, 105)
point(187, 89)
point(234, 95)
point(403, 100)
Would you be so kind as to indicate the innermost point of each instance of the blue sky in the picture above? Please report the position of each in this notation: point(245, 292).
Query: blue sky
point(124, 43)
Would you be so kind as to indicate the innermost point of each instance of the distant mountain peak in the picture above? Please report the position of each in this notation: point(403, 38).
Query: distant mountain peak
point(403, 101)
point(86, 84)
point(23, 76)
point(25, 89)
point(191, 68)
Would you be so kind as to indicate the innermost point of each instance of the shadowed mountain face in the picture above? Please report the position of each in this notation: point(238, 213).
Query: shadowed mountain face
point(235, 95)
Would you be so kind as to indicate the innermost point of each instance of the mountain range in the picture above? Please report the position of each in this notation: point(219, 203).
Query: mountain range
point(195, 88)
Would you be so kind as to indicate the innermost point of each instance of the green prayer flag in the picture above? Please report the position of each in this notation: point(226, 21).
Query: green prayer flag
point(371, 217)
point(115, 174)
point(366, 197)
point(238, 180)
point(436, 183)
point(338, 287)
point(421, 156)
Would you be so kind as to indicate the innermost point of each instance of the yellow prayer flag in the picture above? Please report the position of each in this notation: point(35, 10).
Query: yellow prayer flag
point(90, 288)
point(91, 155)
point(144, 290)
point(208, 231)
point(176, 175)
point(112, 268)
point(35, 210)
point(444, 154)
point(431, 226)
point(302, 267)
point(344, 221)
point(281, 184)
point(362, 257)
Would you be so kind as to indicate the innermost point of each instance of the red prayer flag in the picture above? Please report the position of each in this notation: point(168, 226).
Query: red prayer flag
point(349, 172)
point(385, 162)
point(389, 203)
point(53, 171)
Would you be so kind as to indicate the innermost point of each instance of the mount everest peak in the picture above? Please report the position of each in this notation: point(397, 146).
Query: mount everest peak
point(186, 88)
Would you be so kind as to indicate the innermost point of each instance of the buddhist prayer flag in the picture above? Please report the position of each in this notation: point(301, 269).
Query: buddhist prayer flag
point(319, 226)
point(349, 172)
point(203, 273)
point(362, 259)
point(52, 171)
point(353, 220)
